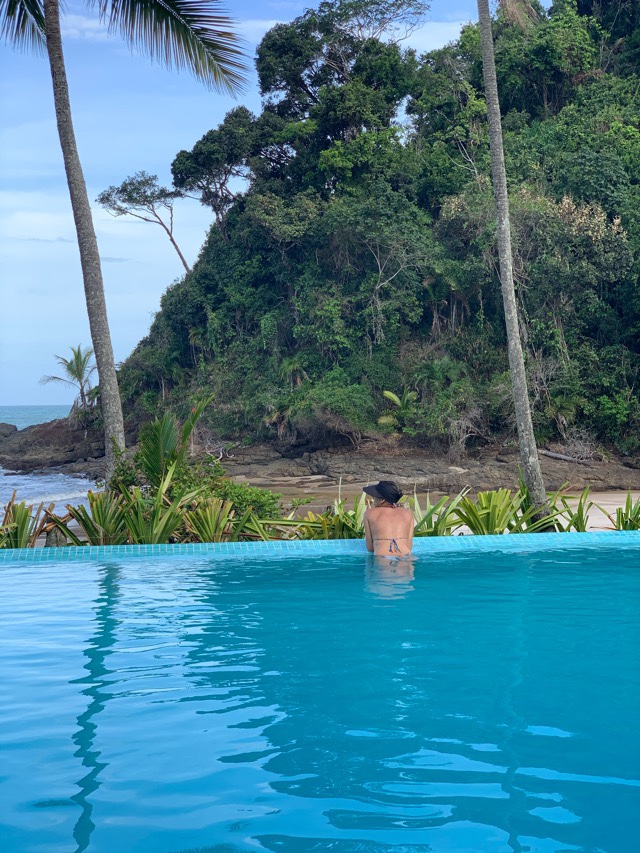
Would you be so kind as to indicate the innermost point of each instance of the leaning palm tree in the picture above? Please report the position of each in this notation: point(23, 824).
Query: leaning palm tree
point(77, 372)
point(190, 34)
point(528, 449)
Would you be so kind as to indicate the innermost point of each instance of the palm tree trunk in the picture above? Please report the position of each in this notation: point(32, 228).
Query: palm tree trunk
point(528, 450)
point(87, 244)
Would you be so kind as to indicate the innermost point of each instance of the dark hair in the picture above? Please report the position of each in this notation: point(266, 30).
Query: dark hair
point(385, 489)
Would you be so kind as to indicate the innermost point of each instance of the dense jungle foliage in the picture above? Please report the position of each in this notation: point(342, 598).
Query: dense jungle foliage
point(352, 250)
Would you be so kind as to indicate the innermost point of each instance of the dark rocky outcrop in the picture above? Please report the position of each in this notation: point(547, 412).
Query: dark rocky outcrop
point(7, 429)
point(50, 445)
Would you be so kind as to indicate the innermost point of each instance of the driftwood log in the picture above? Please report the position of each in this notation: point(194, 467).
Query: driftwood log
point(563, 457)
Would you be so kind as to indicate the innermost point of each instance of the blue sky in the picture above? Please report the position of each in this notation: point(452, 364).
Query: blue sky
point(129, 115)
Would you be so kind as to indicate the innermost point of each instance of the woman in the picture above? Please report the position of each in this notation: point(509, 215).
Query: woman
point(388, 528)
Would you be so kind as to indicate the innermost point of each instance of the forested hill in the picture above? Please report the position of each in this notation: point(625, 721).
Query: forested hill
point(352, 246)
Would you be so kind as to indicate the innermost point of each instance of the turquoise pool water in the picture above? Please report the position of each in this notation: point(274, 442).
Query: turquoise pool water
point(482, 702)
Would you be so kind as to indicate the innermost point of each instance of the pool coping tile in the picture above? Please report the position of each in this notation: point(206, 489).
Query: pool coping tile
point(422, 546)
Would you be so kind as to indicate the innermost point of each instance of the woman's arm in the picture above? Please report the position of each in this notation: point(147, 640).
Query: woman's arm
point(411, 526)
point(368, 537)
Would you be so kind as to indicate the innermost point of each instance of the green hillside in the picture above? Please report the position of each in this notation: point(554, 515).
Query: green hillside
point(352, 250)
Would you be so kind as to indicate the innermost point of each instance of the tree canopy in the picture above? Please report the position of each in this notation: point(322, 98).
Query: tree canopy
point(352, 250)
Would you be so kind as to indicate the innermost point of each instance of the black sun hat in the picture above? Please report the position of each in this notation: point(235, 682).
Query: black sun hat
point(385, 489)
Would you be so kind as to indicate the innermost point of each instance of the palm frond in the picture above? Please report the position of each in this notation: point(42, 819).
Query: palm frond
point(192, 420)
point(77, 368)
point(158, 446)
point(45, 380)
point(22, 24)
point(185, 34)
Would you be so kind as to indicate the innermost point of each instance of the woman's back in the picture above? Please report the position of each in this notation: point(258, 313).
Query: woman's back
point(388, 530)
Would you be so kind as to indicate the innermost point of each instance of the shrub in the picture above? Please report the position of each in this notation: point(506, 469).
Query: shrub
point(208, 478)
point(334, 407)
point(265, 503)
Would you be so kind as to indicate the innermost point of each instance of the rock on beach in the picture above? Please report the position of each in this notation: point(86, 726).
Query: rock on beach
point(50, 445)
point(70, 450)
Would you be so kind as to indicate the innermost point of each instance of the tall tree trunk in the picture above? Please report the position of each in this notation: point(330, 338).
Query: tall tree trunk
point(528, 450)
point(169, 232)
point(87, 244)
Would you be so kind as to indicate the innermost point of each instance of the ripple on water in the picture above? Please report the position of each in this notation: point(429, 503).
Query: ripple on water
point(173, 705)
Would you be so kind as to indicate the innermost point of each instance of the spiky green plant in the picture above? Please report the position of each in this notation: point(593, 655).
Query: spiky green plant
point(627, 517)
point(21, 525)
point(155, 518)
point(498, 511)
point(338, 523)
point(103, 523)
point(438, 519)
point(573, 518)
point(4, 534)
point(210, 520)
point(239, 527)
point(257, 529)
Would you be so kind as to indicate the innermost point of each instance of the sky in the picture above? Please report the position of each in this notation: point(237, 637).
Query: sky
point(129, 115)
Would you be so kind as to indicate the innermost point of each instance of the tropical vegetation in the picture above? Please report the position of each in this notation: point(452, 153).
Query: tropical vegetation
point(141, 197)
point(353, 245)
point(173, 513)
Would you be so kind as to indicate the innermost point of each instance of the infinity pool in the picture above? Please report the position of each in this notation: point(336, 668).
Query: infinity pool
point(473, 702)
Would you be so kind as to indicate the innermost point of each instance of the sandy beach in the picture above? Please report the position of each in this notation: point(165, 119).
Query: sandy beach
point(322, 491)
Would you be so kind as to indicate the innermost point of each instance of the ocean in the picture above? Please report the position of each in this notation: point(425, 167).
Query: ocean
point(59, 489)
point(24, 416)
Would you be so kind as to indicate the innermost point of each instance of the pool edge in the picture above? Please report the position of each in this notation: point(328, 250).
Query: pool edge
point(433, 545)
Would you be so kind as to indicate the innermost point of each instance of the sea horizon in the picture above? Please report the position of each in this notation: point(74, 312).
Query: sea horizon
point(29, 415)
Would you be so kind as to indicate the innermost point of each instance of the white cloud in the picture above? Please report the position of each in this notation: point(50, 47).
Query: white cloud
point(83, 27)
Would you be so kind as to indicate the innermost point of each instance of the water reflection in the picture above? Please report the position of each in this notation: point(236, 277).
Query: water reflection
point(359, 695)
point(389, 577)
point(97, 691)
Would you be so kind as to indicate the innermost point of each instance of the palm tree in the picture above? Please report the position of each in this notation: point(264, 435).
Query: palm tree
point(181, 33)
point(528, 449)
point(77, 373)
